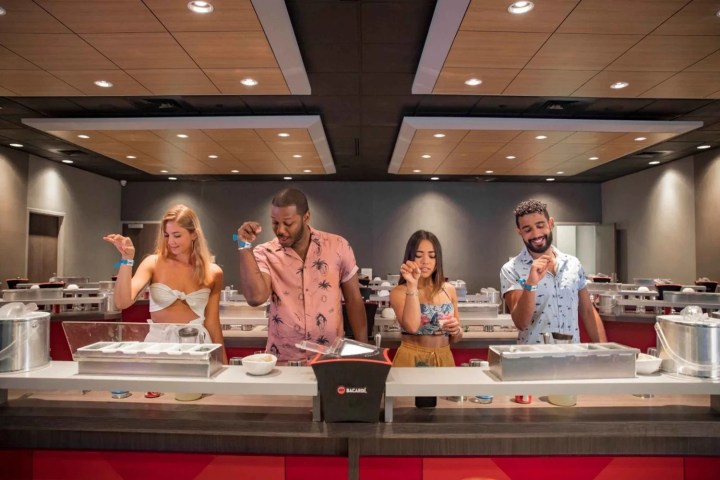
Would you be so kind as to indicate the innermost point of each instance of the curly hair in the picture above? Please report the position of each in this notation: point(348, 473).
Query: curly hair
point(530, 206)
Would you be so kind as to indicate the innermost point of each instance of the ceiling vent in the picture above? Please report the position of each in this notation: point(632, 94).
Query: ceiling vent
point(161, 104)
point(563, 106)
point(72, 153)
point(651, 154)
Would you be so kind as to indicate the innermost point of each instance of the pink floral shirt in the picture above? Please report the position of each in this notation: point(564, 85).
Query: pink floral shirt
point(305, 303)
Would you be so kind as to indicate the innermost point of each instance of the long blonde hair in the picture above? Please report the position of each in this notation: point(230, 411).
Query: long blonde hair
point(200, 253)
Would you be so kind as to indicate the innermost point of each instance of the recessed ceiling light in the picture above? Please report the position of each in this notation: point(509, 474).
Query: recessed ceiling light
point(717, 14)
point(541, 137)
point(67, 161)
point(198, 6)
point(287, 178)
point(434, 178)
point(181, 135)
point(594, 158)
point(640, 139)
point(249, 82)
point(417, 171)
point(17, 145)
point(473, 82)
point(212, 156)
point(560, 173)
point(307, 170)
point(703, 147)
point(489, 171)
point(172, 178)
point(511, 157)
point(83, 136)
point(297, 155)
point(519, 8)
point(654, 162)
point(619, 85)
point(2, 11)
point(550, 179)
point(234, 171)
point(130, 156)
point(283, 134)
point(163, 171)
point(426, 156)
point(439, 135)
point(103, 83)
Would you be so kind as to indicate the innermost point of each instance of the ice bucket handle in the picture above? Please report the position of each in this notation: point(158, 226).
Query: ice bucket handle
point(677, 358)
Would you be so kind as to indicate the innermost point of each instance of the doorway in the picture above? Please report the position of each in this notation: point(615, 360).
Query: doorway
point(43, 243)
point(143, 235)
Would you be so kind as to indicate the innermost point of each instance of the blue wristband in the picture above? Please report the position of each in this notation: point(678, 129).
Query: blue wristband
point(242, 244)
point(525, 286)
point(125, 261)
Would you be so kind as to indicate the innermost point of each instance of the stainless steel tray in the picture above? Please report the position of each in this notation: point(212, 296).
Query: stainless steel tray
point(693, 298)
point(149, 358)
point(562, 362)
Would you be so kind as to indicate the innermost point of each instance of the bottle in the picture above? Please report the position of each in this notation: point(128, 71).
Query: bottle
point(188, 335)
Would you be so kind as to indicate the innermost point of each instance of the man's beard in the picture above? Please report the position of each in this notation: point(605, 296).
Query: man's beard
point(544, 248)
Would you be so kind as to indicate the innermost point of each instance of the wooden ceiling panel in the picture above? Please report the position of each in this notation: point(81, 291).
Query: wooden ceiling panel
point(83, 16)
point(581, 51)
point(548, 83)
point(141, 50)
point(552, 137)
point(698, 17)
point(666, 53)
point(594, 138)
point(494, 81)
point(481, 149)
point(229, 15)
point(633, 138)
point(123, 84)
point(228, 49)
point(272, 135)
point(447, 143)
point(437, 154)
point(493, 50)
point(270, 81)
point(490, 136)
point(686, 85)
point(560, 152)
point(268, 168)
point(640, 82)
point(12, 61)
point(223, 135)
point(55, 51)
point(130, 136)
point(34, 82)
point(292, 148)
point(619, 16)
point(255, 157)
point(193, 136)
point(175, 82)
point(247, 146)
point(24, 16)
point(494, 16)
point(711, 63)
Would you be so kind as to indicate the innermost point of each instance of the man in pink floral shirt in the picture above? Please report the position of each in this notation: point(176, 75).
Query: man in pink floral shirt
point(305, 273)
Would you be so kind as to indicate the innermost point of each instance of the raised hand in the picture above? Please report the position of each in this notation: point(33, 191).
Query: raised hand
point(123, 244)
point(539, 268)
point(410, 271)
point(249, 231)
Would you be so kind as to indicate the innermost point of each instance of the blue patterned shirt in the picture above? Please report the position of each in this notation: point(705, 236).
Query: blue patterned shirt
point(556, 299)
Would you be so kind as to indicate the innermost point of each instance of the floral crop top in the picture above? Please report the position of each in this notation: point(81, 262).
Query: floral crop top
point(430, 316)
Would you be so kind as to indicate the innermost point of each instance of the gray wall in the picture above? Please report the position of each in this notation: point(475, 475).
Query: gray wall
point(654, 213)
point(474, 222)
point(91, 207)
point(13, 213)
point(707, 205)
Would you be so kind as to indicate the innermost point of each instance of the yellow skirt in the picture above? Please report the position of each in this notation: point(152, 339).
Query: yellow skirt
point(412, 355)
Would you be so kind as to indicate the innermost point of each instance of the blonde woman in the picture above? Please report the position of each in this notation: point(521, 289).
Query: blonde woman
point(184, 284)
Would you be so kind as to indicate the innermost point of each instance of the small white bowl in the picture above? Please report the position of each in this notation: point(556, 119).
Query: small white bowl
point(647, 364)
point(259, 363)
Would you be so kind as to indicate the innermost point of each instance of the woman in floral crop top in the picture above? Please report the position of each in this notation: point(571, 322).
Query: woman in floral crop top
point(425, 305)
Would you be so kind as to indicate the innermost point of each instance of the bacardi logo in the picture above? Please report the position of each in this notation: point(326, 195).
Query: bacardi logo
point(342, 390)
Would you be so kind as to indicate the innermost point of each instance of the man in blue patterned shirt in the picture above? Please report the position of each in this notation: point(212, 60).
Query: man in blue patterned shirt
point(544, 288)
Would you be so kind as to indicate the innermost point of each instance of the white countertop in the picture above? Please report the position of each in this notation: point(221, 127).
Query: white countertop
point(231, 379)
